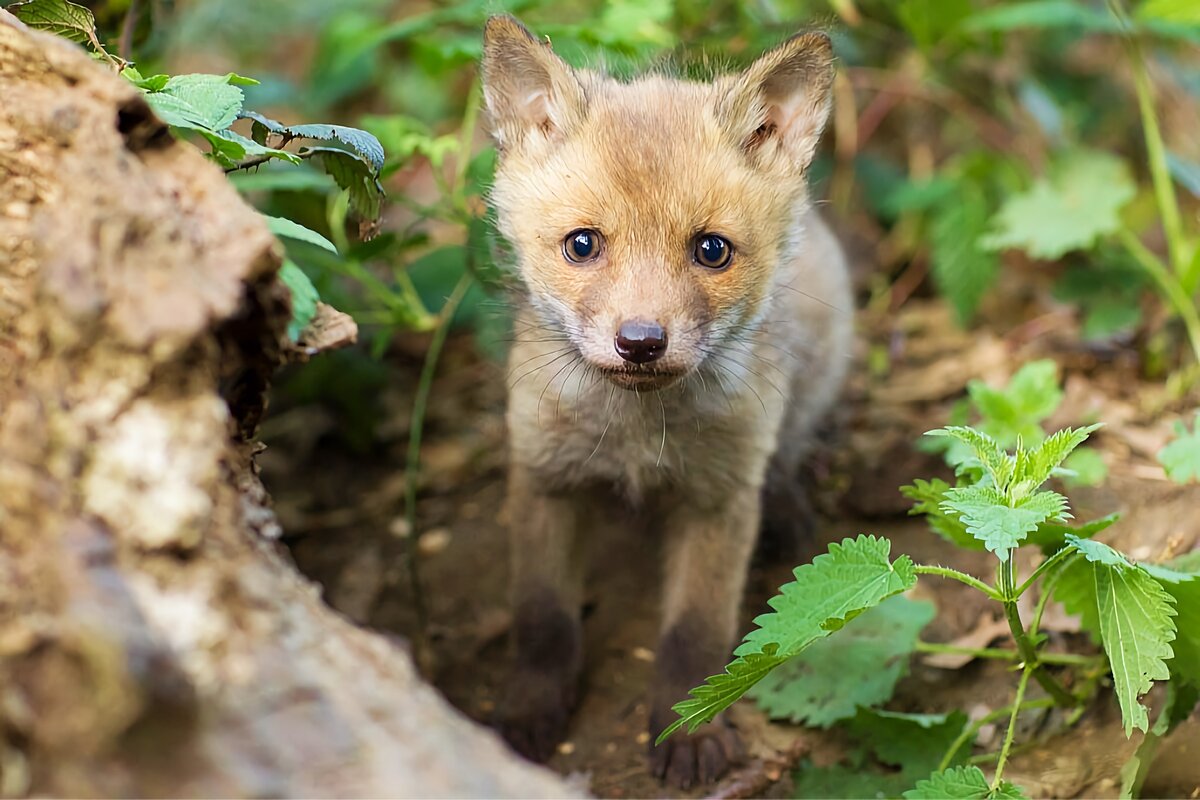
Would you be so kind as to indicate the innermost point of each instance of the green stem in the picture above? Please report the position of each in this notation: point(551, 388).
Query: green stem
point(413, 465)
point(971, 731)
point(1025, 644)
point(961, 577)
point(1043, 568)
point(1160, 175)
point(1168, 284)
point(1000, 654)
point(1030, 667)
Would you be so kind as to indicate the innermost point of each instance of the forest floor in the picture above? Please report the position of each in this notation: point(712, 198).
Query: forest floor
point(342, 511)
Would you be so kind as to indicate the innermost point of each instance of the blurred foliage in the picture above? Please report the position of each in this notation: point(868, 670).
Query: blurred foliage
point(970, 138)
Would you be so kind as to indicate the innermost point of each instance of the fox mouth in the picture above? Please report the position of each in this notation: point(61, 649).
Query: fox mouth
point(649, 380)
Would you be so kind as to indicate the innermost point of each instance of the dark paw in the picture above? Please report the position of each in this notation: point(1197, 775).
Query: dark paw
point(686, 760)
point(533, 715)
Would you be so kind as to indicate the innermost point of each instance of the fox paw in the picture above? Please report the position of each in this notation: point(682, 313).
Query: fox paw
point(533, 715)
point(686, 760)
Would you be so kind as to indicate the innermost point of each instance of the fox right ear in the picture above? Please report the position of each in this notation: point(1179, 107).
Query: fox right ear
point(528, 90)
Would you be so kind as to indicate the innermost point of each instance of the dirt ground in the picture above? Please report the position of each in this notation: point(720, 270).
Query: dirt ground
point(342, 510)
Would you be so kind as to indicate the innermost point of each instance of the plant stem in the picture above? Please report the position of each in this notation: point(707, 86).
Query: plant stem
point(1012, 723)
point(972, 730)
point(1160, 176)
point(1042, 568)
point(1025, 645)
point(1168, 284)
point(413, 465)
point(1001, 654)
point(961, 577)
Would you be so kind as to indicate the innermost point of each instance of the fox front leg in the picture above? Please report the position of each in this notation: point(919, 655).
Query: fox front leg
point(707, 554)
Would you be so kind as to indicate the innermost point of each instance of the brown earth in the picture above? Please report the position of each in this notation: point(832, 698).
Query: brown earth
point(343, 514)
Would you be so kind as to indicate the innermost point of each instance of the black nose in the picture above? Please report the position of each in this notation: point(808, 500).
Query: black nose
point(641, 342)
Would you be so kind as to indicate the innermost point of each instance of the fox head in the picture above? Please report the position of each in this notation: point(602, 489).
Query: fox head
point(649, 217)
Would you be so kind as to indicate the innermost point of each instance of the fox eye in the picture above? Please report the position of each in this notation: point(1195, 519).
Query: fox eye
point(582, 245)
point(712, 251)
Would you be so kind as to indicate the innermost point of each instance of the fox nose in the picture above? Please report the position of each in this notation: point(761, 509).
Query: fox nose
point(641, 342)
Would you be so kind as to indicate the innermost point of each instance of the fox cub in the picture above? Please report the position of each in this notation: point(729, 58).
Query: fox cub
point(684, 322)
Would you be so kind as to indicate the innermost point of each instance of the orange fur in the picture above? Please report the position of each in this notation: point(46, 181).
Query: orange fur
point(755, 351)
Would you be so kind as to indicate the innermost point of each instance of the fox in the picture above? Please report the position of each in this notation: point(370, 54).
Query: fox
point(682, 327)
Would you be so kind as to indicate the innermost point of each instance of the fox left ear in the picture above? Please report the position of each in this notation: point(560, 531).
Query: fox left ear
point(778, 107)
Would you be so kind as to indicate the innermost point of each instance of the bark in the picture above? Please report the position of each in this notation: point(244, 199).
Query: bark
point(154, 640)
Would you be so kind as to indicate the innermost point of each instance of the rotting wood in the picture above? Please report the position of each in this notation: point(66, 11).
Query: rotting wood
point(153, 638)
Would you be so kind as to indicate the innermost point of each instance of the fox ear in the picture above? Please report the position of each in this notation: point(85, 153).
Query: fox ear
point(777, 108)
point(528, 90)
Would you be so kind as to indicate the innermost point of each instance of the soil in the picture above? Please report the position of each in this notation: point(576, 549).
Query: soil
point(342, 510)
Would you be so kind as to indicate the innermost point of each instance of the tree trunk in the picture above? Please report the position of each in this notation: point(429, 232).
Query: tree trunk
point(154, 640)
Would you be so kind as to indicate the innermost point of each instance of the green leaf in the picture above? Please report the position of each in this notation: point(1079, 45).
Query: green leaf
point(1041, 14)
point(205, 102)
point(961, 783)
point(304, 298)
point(1178, 706)
point(1184, 588)
point(155, 83)
point(1017, 411)
point(928, 497)
point(836, 587)
point(1084, 467)
point(915, 743)
point(282, 227)
point(61, 18)
point(1181, 458)
point(1052, 536)
point(962, 269)
point(858, 667)
point(1131, 614)
point(998, 464)
point(1034, 467)
point(355, 176)
point(1186, 11)
point(1068, 210)
point(359, 141)
point(985, 513)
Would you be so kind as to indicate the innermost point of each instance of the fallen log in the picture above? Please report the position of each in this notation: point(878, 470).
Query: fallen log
point(154, 639)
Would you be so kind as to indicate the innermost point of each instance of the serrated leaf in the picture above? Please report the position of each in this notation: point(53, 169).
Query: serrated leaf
point(1034, 466)
point(1129, 612)
point(962, 783)
point(1181, 457)
point(836, 587)
point(355, 176)
point(207, 102)
point(304, 297)
point(985, 513)
point(155, 83)
point(998, 464)
point(859, 667)
point(286, 228)
point(60, 17)
point(1184, 588)
point(915, 743)
point(1052, 536)
point(962, 268)
point(359, 141)
point(1068, 210)
point(1017, 410)
point(928, 497)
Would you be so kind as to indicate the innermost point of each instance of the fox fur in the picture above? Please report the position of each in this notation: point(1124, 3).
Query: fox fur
point(695, 440)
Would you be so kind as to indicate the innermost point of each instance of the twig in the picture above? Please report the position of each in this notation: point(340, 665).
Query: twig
point(1012, 724)
point(125, 43)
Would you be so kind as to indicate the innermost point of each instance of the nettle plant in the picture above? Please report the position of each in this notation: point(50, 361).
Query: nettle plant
point(206, 107)
point(839, 635)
